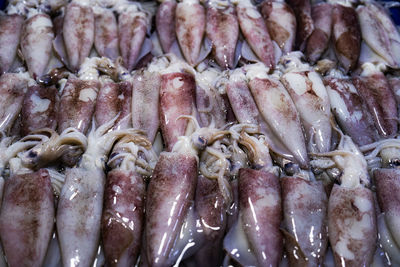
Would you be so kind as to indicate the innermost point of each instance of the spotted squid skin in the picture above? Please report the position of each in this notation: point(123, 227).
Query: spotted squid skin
point(376, 93)
point(78, 33)
point(10, 32)
point(211, 207)
point(177, 97)
point(123, 217)
point(106, 34)
point(79, 215)
point(305, 217)
point(281, 23)
point(346, 36)
point(145, 102)
point(77, 104)
point(387, 180)
point(132, 28)
point(124, 120)
point(305, 23)
point(39, 109)
point(394, 83)
point(256, 33)
point(223, 30)
point(12, 92)
point(318, 41)
point(36, 43)
point(190, 26)
point(352, 225)
point(261, 213)
point(107, 103)
point(169, 196)
point(28, 203)
point(350, 111)
point(165, 24)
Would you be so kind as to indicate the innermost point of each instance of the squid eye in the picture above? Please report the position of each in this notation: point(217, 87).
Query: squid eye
point(291, 168)
point(32, 154)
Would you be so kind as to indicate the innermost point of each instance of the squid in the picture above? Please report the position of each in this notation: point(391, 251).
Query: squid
point(281, 23)
point(278, 110)
point(351, 207)
point(81, 200)
point(106, 33)
point(13, 87)
point(350, 111)
point(394, 82)
point(39, 109)
point(375, 91)
point(165, 24)
point(133, 24)
point(346, 35)
point(305, 23)
point(223, 30)
point(308, 92)
point(177, 98)
point(124, 200)
point(379, 32)
point(78, 33)
point(255, 32)
point(318, 41)
point(190, 26)
point(10, 32)
point(255, 239)
point(27, 201)
point(145, 100)
point(36, 43)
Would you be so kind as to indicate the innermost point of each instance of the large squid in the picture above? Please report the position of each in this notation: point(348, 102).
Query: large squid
point(255, 31)
point(255, 239)
point(190, 26)
point(281, 23)
point(346, 36)
point(308, 92)
point(78, 32)
point(36, 43)
point(223, 31)
point(375, 91)
point(123, 216)
point(10, 31)
point(81, 200)
point(379, 32)
point(165, 24)
point(349, 109)
point(351, 208)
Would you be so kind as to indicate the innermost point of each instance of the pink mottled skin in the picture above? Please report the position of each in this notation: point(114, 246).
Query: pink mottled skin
point(177, 93)
point(190, 25)
point(124, 120)
point(165, 24)
point(36, 43)
point(132, 28)
point(123, 217)
point(223, 30)
point(27, 218)
point(169, 196)
point(34, 115)
point(305, 23)
point(78, 33)
point(352, 225)
point(106, 34)
point(346, 36)
point(380, 100)
point(261, 213)
point(145, 102)
point(10, 31)
point(318, 41)
point(75, 108)
point(305, 218)
point(256, 33)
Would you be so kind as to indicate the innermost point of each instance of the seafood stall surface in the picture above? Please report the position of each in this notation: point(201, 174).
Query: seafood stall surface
point(199, 133)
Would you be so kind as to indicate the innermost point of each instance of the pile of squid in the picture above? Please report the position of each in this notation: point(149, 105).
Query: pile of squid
point(199, 133)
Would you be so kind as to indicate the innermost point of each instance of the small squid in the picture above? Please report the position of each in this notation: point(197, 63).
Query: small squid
point(10, 31)
point(106, 33)
point(190, 26)
point(165, 24)
point(305, 23)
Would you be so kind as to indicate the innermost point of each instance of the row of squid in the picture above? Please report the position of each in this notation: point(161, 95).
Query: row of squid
point(229, 31)
point(274, 188)
point(276, 163)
